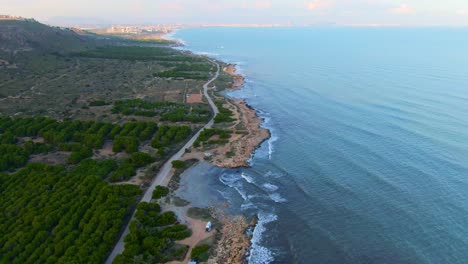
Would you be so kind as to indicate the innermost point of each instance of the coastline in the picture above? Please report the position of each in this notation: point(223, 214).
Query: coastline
point(233, 238)
point(247, 136)
point(245, 141)
point(239, 79)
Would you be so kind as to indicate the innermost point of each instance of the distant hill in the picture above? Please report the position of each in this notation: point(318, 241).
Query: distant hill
point(30, 35)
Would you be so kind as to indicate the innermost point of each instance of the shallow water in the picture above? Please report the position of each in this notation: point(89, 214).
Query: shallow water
point(368, 162)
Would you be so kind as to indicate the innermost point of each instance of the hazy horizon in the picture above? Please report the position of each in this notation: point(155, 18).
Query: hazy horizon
point(335, 12)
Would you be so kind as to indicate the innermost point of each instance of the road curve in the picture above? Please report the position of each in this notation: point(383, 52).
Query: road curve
point(166, 168)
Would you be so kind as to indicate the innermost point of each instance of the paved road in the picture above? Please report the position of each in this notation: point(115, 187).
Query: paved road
point(163, 173)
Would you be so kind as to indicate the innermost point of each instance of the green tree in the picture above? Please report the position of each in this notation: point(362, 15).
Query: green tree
point(160, 191)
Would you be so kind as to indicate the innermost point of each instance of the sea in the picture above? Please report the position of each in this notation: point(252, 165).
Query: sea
point(368, 159)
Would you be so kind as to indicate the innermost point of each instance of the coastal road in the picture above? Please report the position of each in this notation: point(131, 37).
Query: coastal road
point(164, 172)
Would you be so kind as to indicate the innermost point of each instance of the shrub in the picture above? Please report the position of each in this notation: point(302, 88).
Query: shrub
point(166, 218)
point(141, 159)
point(80, 155)
point(160, 191)
point(179, 164)
point(125, 171)
point(129, 144)
point(201, 253)
point(98, 103)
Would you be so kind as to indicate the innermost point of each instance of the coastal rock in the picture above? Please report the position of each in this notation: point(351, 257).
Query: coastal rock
point(238, 79)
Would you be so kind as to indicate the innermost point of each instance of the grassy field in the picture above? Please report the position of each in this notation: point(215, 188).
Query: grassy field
point(60, 73)
point(64, 85)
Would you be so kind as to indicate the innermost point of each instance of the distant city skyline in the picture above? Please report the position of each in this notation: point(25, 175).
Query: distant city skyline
point(335, 12)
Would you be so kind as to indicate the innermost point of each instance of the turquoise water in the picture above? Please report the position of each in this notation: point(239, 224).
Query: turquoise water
point(368, 160)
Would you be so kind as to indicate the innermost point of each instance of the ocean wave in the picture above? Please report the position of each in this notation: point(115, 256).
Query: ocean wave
point(270, 187)
point(225, 195)
point(247, 178)
point(271, 174)
point(273, 138)
point(271, 149)
point(230, 179)
point(248, 205)
point(277, 198)
point(242, 192)
point(258, 253)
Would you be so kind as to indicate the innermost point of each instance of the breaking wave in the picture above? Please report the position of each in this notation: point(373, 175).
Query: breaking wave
point(258, 253)
point(270, 187)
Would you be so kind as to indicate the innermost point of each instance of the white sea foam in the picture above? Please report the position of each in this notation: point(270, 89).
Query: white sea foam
point(242, 192)
point(277, 198)
point(270, 187)
point(224, 194)
point(273, 138)
point(247, 178)
point(258, 253)
point(230, 179)
point(271, 146)
point(207, 53)
point(248, 205)
point(271, 174)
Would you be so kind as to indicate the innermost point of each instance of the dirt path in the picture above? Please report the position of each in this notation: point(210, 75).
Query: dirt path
point(198, 234)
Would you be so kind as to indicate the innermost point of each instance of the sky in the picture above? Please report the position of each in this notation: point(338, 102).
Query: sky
point(321, 12)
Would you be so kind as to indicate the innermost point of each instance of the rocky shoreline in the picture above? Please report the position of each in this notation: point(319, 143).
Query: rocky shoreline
point(234, 239)
point(239, 79)
point(235, 243)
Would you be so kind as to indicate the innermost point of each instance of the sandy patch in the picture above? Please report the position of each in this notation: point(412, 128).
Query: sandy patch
point(194, 98)
point(54, 158)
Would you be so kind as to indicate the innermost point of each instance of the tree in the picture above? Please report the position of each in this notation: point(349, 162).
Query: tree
point(160, 191)
point(140, 159)
point(179, 164)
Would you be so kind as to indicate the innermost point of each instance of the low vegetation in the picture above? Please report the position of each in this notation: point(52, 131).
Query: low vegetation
point(98, 103)
point(201, 253)
point(224, 116)
point(206, 135)
point(126, 53)
point(152, 237)
point(81, 139)
point(167, 111)
point(167, 136)
point(179, 164)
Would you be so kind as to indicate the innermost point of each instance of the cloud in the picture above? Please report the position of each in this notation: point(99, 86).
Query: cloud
point(402, 9)
point(462, 12)
point(317, 4)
